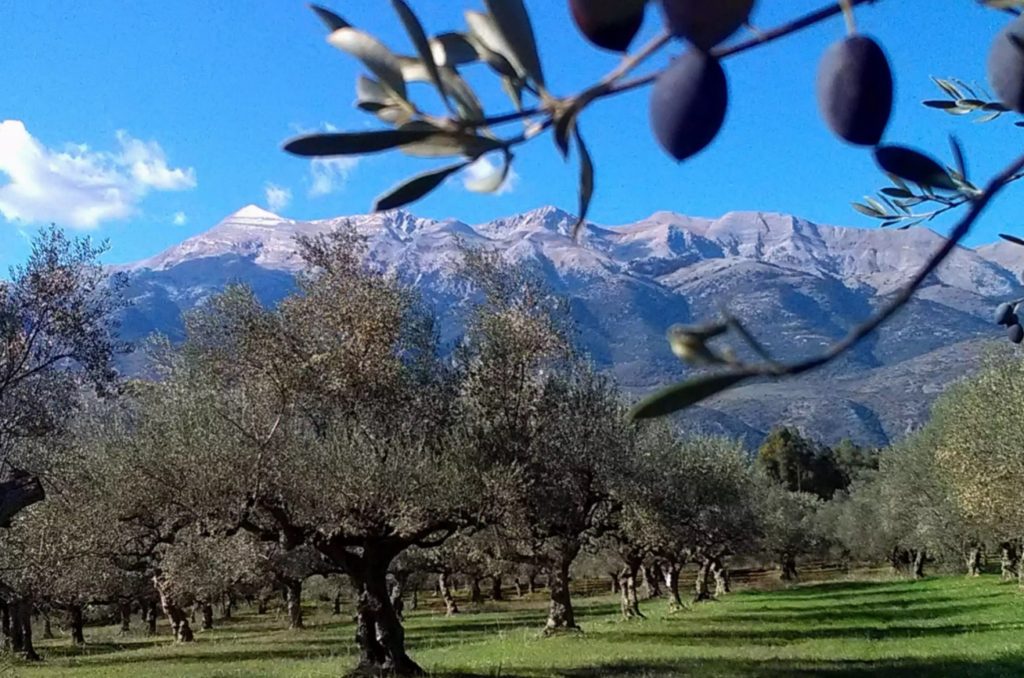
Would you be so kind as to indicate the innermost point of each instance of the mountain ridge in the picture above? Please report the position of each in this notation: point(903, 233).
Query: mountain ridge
point(797, 284)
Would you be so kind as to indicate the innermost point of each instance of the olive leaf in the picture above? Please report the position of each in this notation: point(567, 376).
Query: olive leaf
point(419, 40)
point(491, 45)
point(354, 143)
point(914, 166)
point(378, 58)
point(513, 23)
point(685, 394)
point(441, 143)
point(1011, 238)
point(453, 49)
point(330, 19)
point(415, 188)
point(958, 156)
point(586, 188)
point(466, 100)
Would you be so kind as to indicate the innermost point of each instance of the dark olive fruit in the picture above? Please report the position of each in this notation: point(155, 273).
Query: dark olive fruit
point(688, 104)
point(1015, 333)
point(1004, 312)
point(855, 90)
point(611, 24)
point(1006, 65)
point(705, 23)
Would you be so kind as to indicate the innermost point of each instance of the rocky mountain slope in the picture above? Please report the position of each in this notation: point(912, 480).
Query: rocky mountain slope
point(798, 285)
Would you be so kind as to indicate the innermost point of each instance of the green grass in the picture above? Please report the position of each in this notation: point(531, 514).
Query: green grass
point(941, 626)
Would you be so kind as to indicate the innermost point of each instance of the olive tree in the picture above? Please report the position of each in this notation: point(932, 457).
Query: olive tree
point(56, 337)
point(698, 501)
point(323, 422)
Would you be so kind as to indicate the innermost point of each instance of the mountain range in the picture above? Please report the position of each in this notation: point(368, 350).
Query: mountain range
point(796, 285)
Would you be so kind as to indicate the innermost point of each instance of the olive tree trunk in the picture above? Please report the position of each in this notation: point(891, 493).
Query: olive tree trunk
point(397, 602)
point(702, 591)
point(721, 575)
point(76, 622)
point(614, 578)
point(1010, 561)
point(180, 627)
point(21, 631)
point(475, 594)
point(672, 570)
point(336, 610)
point(293, 595)
point(47, 628)
point(973, 561)
point(150, 615)
point(652, 580)
point(630, 603)
point(5, 627)
point(124, 610)
point(560, 613)
point(207, 623)
point(496, 582)
point(450, 607)
point(920, 556)
point(788, 567)
point(379, 632)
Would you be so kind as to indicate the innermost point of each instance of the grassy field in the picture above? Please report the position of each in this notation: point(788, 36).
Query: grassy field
point(941, 626)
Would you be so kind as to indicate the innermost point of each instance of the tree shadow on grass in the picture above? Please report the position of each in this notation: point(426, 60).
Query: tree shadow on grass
point(784, 636)
point(1010, 665)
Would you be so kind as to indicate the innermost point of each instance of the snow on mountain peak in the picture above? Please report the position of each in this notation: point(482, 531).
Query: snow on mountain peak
point(253, 213)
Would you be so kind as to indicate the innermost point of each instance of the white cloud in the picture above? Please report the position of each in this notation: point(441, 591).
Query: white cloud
point(482, 173)
point(278, 197)
point(179, 219)
point(77, 186)
point(328, 175)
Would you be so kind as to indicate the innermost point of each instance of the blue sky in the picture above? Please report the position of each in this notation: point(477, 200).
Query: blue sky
point(147, 122)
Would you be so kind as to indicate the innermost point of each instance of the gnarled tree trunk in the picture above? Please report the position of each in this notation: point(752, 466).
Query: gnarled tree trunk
point(293, 595)
point(614, 579)
point(788, 567)
point(379, 632)
point(207, 616)
point(450, 607)
point(150, 615)
point(124, 610)
point(496, 592)
point(973, 561)
point(560, 613)
point(47, 628)
point(672, 570)
point(21, 620)
point(702, 591)
point(652, 580)
point(5, 627)
point(721, 575)
point(180, 627)
point(920, 556)
point(227, 607)
point(397, 603)
point(336, 610)
point(475, 594)
point(76, 621)
point(1010, 561)
point(519, 588)
point(630, 603)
